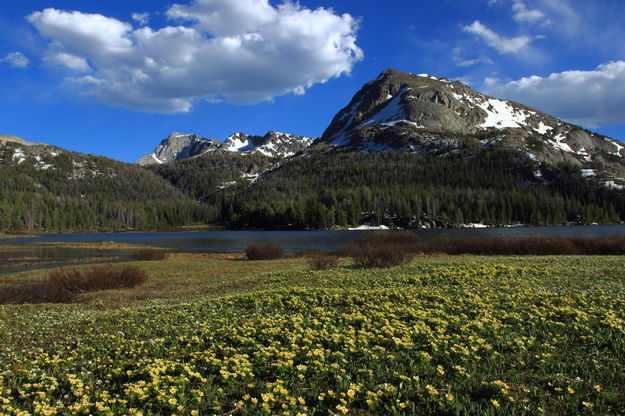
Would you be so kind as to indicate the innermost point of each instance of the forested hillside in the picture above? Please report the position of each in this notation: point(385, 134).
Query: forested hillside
point(330, 188)
point(50, 189)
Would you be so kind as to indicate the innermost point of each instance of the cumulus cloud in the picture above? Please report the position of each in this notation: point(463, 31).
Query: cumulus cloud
point(494, 40)
point(238, 51)
point(141, 18)
point(69, 61)
point(523, 14)
point(592, 98)
point(16, 60)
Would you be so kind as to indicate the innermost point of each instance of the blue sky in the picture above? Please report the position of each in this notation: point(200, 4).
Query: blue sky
point(114, 78)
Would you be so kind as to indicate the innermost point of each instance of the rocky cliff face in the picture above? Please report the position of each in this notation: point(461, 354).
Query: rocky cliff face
point(422, 112)
point(179, 146)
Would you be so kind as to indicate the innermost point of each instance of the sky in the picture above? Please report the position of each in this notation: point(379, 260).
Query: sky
point(114, 78)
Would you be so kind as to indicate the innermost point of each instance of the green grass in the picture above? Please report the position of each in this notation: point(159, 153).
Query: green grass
point(216, 334)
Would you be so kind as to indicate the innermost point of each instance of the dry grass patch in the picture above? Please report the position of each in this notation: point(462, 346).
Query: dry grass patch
point(264, 251)
point(149, 254)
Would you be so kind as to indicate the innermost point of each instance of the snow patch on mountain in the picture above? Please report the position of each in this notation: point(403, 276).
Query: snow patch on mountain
point(19, 156)
point(238, 142)
point(273, 144)
point(613, 185)
point(160, 162)
point(543, 128)
point(619, 148)
point(558, 143)
point(393, 111)
point(501, 114)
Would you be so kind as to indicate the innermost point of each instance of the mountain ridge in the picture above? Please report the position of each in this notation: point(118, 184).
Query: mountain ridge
point(179, 146)
point(423, 113)
point(418, 109)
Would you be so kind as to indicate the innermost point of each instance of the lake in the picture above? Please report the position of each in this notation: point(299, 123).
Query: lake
point(236, 241)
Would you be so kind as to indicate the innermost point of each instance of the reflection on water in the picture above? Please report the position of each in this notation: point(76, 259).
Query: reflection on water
point(31, 256)
point(236, 241)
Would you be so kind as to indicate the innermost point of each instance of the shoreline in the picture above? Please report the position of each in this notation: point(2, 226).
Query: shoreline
point(7, 235)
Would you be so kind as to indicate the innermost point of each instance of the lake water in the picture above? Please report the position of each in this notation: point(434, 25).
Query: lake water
point(236, 241)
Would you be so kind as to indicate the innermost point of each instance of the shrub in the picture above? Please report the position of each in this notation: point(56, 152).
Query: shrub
point(264, 251)
point(384, 249)
point(34, 293)
point(149, 254)
point(322, 261)
point(97, 278)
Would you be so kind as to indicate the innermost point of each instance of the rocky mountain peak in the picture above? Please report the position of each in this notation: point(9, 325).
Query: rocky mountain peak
point(272, 144)
point(179, 146)
point(421, 112)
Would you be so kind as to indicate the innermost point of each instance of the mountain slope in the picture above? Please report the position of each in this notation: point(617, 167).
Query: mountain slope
point(51, 189)
point(418, 112)
point(347, 187)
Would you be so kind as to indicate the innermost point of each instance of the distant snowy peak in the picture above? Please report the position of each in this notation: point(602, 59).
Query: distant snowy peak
point(408, 111)
point(272, 144)
point(183, 146)
point(179, 146)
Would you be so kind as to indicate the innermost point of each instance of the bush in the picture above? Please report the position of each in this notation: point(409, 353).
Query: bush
point(33, 293)
point(149, 254)
point(264, 251)
point(63, 285)
point(322, 261)
point(97, 278)
point(384, 249)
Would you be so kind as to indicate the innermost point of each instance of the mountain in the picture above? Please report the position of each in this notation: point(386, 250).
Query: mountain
point(408, 151)
point(422, 112)
point(272, 144)
point(415, 151)
point(51, 189)
point(180, 146)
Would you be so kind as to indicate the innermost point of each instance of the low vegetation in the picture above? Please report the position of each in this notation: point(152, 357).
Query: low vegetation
point(264, 251)
point(149, 254)
point(321, 260)
point(388, 249)
point(381, 249)
point(527, 246)
point(63, 285)
point(441, 335)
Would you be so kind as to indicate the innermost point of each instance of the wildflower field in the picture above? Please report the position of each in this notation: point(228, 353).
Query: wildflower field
point(211, 335)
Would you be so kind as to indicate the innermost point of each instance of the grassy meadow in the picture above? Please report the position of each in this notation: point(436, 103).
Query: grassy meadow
point(216, 334)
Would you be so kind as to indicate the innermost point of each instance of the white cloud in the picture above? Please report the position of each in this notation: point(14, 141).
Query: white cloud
point(16, 60)
point(470, 62)
point(83, 34)
point(141, 18)
point(239, 51)
point(69, 61)
point(592, 98)
point(523, 14)
point(498, 42)
point(490, 81)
